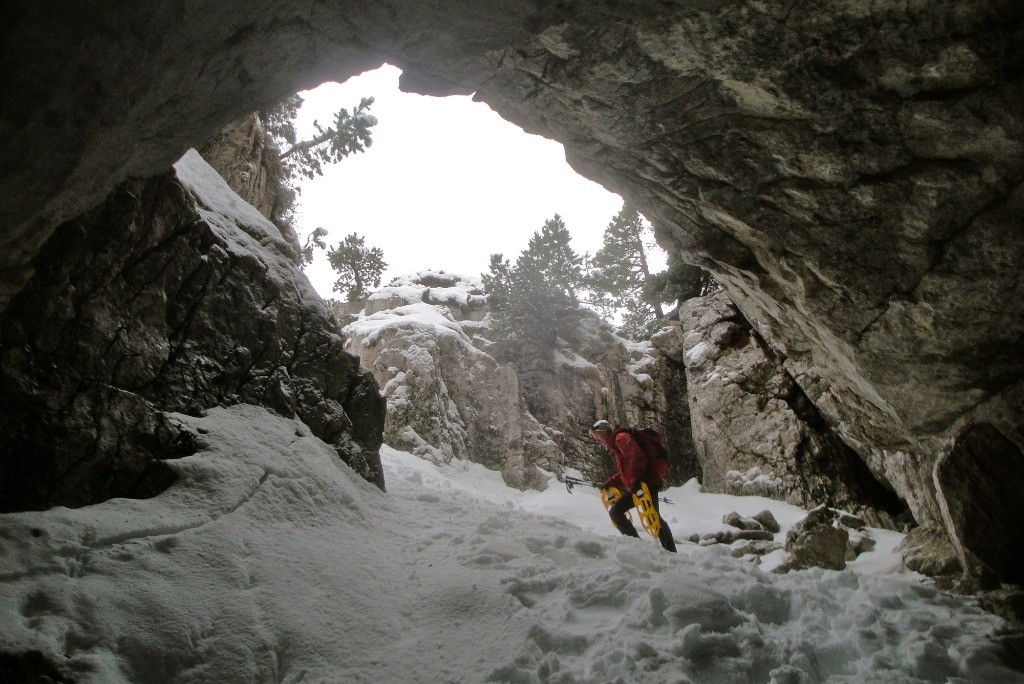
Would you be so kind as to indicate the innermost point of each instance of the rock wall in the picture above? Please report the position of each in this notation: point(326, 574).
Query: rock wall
point(446, 399)
point(247, 161)
point(424, 338)
point(755, 430)
point(173, 296)
point(849, 171)
point(239, 153)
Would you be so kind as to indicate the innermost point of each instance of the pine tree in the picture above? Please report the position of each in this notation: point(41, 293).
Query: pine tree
point(533, 303)
point(359, 267)
point(550, 255)
point(305, 159)
point(535, 300)
point(620, 272)
point(679, 282)
point(315, 240)
point(621, 281)
point(279, 120)
point(348, 135)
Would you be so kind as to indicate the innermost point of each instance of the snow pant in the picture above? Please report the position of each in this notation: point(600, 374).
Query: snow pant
point(617, 512)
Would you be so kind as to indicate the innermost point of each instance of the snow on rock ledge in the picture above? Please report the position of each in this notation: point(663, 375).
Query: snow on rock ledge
point(175, 295)
point(446, 398)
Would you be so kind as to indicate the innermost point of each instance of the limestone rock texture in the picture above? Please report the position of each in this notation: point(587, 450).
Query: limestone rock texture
point(928, 550)
point(173, 296)
point(425, 339)
point(755, 431)
point(597, 375)
point(247, 160)
point(816, 541)
point(851, 172)
point(240, 154)
point(446, 399)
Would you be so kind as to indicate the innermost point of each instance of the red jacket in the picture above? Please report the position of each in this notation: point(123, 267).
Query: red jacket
point(633, 463)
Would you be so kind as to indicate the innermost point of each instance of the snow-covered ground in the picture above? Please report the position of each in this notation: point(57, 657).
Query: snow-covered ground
point(270, 560)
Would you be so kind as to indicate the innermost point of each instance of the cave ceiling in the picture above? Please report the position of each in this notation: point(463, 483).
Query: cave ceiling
point(850, 171)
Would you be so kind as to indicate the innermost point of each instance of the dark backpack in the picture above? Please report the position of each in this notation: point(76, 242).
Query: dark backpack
point(652, 443)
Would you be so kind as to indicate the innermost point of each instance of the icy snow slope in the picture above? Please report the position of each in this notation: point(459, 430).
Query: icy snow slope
point(271, 560)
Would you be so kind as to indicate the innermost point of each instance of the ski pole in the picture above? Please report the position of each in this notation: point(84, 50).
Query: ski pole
point(571, 482)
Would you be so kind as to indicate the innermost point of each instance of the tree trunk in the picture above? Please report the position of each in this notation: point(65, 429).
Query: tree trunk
point(658, 312)
point(307, 144)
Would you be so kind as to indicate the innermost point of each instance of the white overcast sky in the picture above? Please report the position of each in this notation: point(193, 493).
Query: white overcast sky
point(446, 183)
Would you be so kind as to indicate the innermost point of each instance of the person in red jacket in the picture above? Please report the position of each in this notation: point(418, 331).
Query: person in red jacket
point(634, 468)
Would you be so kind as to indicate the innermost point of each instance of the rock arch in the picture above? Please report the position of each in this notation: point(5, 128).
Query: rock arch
point(851, 172)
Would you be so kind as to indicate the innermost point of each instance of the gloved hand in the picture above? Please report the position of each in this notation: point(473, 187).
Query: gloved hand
point(635, 487)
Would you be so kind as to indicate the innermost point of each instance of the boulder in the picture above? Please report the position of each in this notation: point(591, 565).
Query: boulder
point(816, 542)
point(926, 549)
point(851, 521)
point(767, 521)
point(173, 296)
point(736, 520)
point(755, 548)
point(730, 536)
point(859, 543)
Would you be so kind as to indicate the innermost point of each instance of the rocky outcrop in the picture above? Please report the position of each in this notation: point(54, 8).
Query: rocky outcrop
point(816, 541)
point(424, 337)
point(248, 162)
point(239, 153)
point(594, 374)
point(659, 400)
point(983, 467)
point(447, 399)
point(755, 431)
point(850, 172)
point(173, 296)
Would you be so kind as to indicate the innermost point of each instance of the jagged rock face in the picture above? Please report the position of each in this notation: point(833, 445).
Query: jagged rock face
point(596, 375)
point(248, 162)
point(640, 387)
point(755, 430)
point(447, 399)
point(850, 171)
point(167, 298)
point(424, 337)
point(239, 153)
point(984, 467)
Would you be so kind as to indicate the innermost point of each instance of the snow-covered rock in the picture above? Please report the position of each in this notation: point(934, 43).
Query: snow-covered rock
point(447, 399)
point(817, 541)
point(174, 295)
point(240, 154)
point(424, 337)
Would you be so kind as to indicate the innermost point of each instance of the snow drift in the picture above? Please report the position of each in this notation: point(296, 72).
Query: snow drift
point(271, 560)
